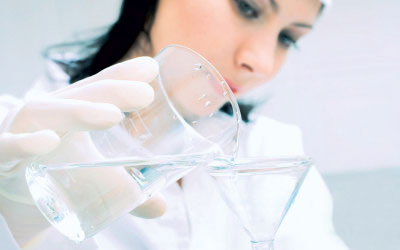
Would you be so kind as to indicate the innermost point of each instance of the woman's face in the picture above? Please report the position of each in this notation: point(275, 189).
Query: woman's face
point(246, 40)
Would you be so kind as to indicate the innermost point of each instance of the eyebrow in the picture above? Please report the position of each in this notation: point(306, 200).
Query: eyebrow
point(274, 5)
point(303, 25)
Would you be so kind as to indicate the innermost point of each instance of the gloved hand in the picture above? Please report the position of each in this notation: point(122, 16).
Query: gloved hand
point(55, 128)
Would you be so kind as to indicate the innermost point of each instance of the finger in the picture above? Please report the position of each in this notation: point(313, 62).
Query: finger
point(141, 69)
point(20, 146)
point(64, 115)
point(152, 208)
point(126, 95)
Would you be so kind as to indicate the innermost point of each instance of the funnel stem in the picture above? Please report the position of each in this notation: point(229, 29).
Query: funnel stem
point(262, 245)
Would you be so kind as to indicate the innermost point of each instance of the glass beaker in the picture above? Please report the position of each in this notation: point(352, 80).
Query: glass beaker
point(151, 148)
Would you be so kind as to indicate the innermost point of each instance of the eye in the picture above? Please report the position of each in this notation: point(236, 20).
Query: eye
point(286, 40)
point(246, 9)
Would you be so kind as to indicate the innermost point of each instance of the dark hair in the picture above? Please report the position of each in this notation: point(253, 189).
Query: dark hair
point(135, 18)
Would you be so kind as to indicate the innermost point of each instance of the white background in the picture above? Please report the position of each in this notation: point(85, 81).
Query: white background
point(342, 88)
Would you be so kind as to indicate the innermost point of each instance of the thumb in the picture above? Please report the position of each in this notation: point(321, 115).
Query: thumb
point(152, 208)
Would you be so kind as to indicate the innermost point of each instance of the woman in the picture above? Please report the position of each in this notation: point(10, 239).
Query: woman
point(247, 41)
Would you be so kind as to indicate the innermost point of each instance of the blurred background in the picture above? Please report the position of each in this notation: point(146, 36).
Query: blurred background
point(341, 87)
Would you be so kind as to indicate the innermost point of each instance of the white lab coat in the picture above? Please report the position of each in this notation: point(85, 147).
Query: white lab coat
point(197, 218)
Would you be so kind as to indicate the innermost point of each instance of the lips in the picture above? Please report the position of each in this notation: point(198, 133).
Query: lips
point(234, 88)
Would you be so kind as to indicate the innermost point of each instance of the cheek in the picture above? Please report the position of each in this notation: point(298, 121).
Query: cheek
point(280, 58)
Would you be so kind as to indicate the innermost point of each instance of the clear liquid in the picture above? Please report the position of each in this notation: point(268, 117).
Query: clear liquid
point(259, 197)
point(81, 199)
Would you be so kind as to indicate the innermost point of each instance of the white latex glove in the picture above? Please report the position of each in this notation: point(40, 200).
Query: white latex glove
point(55, 128)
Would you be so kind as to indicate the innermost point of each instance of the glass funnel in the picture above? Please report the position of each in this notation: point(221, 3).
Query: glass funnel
point(260, 191)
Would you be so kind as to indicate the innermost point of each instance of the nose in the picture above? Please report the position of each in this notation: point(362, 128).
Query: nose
point(256, 55)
